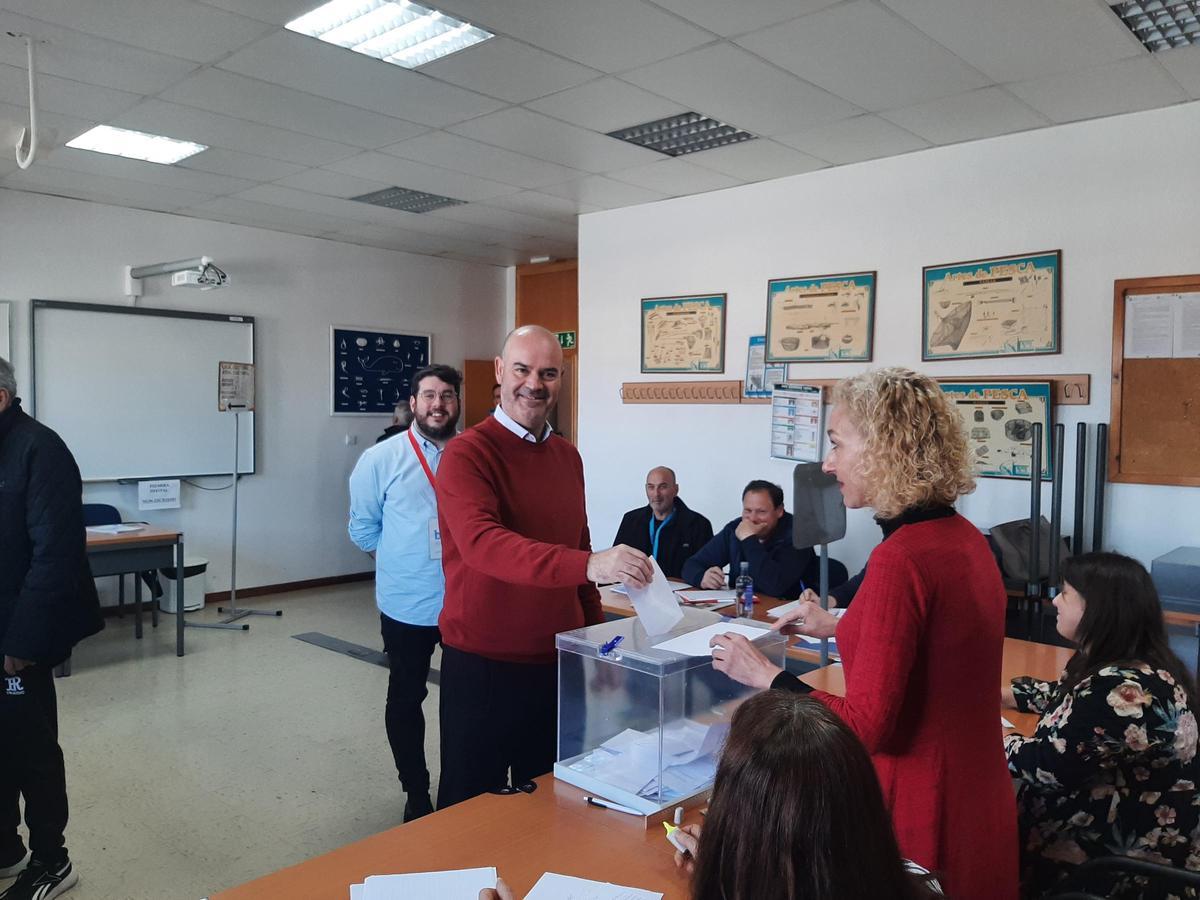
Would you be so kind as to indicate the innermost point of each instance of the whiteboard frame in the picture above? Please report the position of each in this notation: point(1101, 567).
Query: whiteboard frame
point(36, 305)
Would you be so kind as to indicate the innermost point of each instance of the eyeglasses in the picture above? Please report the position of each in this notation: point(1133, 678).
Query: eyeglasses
point(430, 396)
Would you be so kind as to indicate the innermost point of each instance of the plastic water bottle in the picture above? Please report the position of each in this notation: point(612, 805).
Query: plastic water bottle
point(744, 586)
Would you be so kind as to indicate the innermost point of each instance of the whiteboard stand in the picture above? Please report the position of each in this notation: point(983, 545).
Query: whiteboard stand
point(233, 612)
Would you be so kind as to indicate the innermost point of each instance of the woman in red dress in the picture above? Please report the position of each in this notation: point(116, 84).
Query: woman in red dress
point(922, 644)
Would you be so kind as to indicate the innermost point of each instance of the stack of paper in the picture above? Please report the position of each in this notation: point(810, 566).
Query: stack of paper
point(425, 885)
point(564, 887)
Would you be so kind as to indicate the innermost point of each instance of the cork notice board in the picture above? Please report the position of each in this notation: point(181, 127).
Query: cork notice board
point(1155, 430)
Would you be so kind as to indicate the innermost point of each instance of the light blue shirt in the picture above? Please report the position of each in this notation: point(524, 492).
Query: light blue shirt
point(518, 429)
point(393, 511)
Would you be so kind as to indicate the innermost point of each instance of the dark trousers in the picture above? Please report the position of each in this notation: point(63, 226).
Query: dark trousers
point(31, 765)
point(495, 716)
point(409, 649)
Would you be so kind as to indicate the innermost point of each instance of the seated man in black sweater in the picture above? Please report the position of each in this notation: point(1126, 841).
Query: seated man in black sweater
point(666, 528)
point(762, 536)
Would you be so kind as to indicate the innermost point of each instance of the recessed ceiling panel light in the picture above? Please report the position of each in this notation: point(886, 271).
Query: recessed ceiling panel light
point(396, 31)
point(685, 133)
point(135, 145)
point(407, 200)
point(1161, 24)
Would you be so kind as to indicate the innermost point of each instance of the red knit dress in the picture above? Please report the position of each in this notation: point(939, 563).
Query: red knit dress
point(922, 646)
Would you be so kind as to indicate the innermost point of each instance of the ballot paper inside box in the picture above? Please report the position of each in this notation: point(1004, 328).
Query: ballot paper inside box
point(643, 726)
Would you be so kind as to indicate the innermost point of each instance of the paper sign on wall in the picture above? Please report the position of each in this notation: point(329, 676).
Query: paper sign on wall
point(158, 494)
point(235, 386)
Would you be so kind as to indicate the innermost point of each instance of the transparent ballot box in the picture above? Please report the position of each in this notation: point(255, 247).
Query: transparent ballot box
point(643, 726)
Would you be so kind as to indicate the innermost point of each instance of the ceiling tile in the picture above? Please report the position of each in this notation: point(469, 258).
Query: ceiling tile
point(489, 256)
point(53, 129)
point(854, 140)
point(866, 54)
point(44, 179)
point(535, 203)
point(71, 98)
point(1107, 90)
point(967, 117)
point(758, 160)
point(674, 177)
point(728, 19)
point(277, 12)
point(1019, 40)
point(418, 176)
point(605, 193)
point(313, 66)
point(239, 165)
point(610, 36)
point(507, 220)
point(187, 123)
point(1184, 65)
point(540, 136)
point(266, 215)
point(541, 247)
point(510, 70)
point(605, 105)
point(258, 101)
point(452, 151)
point(730, 84)
point(331, 184)
point(92, 60)
point(146, 172)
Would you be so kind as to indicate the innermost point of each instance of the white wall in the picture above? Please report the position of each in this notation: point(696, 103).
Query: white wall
point(1118, 196)
point(292, 513)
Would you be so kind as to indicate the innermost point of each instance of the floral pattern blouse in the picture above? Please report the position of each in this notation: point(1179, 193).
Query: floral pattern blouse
point(1110, 770)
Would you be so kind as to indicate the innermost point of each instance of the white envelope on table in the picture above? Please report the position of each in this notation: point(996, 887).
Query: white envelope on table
point(656, 603)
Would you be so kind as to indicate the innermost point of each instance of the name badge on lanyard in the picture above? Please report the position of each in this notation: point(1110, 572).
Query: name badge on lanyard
point(435, 532)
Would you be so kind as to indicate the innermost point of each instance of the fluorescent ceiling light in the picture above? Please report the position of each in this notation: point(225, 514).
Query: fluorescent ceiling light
point(685, 133)
point(396, 31)
point(1162, 24)
point(135, 145)
point(408, 200)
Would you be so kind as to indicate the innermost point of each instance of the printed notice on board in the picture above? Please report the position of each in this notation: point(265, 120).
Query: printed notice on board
point(1162, 326)
point(163, 494)
point(797, 422)
point(235, 387)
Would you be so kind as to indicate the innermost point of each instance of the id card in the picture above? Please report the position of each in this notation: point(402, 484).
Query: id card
point(435, 540)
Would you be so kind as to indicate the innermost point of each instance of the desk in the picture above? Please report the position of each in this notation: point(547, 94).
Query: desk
point(551, 830)
point(139, 551)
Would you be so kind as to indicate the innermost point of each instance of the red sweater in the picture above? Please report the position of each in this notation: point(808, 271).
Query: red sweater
point(515, 544)
point(922, 647)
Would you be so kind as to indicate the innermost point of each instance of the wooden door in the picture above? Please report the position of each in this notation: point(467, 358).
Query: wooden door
point(548, 295)
point(478, 377)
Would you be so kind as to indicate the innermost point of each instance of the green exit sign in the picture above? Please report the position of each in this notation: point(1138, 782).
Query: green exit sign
point(566, 339)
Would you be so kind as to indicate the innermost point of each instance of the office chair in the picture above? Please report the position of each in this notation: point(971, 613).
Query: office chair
point(1079, 884)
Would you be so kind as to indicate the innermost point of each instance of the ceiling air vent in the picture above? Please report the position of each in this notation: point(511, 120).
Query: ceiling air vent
point(407, 200)
point(682, 134)
point(1161, 24)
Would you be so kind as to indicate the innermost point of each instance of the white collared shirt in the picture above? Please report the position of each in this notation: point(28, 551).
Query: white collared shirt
point(518, 429)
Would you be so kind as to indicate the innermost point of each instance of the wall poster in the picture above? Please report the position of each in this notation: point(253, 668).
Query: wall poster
point(826, 318)
point(797, 422)
point(684, 334)
point(371, 368)
point(760, 378)
point(998, 417)
point(1006, 306)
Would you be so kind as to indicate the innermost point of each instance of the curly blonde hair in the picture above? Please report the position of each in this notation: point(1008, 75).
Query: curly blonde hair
point(915, 450)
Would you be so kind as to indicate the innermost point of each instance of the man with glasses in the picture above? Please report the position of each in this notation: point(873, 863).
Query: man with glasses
point(394, 517)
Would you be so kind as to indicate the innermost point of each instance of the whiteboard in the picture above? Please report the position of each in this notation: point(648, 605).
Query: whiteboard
point(133, 391)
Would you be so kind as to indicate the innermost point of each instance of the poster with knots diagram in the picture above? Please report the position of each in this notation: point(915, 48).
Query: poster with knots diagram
point(371, 368)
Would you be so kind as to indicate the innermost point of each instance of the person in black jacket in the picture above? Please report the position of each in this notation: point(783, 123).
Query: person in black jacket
point(665, 528)
point(762, 536)
point(48, 604)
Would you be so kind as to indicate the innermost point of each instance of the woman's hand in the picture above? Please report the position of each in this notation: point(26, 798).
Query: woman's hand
point(689, 836)
point(808, 619)
point(500, 892)
point(714, 579)
point(734, 655)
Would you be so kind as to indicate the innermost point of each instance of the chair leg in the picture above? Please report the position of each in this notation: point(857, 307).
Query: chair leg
point(153, 610)
point(137, 607)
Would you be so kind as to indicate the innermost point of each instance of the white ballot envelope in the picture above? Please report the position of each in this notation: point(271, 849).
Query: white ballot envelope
point(656, 604)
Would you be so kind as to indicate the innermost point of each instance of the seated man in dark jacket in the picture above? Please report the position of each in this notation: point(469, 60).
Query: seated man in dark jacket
point(761, 537)
point(666, 528)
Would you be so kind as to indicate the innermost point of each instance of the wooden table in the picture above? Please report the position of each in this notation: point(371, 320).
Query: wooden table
point(551, 830)
point(139, 551)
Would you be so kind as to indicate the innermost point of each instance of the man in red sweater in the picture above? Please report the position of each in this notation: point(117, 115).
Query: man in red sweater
point(519, 569)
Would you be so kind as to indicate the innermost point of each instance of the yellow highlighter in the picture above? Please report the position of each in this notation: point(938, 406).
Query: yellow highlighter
point(674, 839)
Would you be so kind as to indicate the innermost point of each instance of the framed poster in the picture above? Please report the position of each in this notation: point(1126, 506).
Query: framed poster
point(998, 417)
point(797, 422)
point(1006, 306)
point(760, 378)
point(370, 368)
point(684, 334)
point(825, 318)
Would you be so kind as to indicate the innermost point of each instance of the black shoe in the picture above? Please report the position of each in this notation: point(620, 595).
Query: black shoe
point(416, 806)
point(14, 866)
point(39, 882)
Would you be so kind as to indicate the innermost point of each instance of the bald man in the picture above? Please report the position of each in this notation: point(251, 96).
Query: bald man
point(519, 569)
point(665, 528)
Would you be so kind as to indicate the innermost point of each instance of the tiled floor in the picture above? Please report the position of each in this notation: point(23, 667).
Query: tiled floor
point(253, 752)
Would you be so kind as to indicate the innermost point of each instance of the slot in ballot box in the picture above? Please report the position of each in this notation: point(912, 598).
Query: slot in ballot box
point(643, 726)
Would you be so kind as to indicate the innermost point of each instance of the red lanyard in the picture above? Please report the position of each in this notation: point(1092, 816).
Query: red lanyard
point(421, 456)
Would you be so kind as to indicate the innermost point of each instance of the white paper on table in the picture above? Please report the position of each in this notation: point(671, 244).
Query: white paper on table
point(1006, 723)
point(695, 643)
point(1149, 326)
point(708, 596)
point(619, 588)
point(656, 604)
point(120, 528)
point(357, 891)
point(429, 885)
point(1187, 326)
point(813, 640)
point(566, 887)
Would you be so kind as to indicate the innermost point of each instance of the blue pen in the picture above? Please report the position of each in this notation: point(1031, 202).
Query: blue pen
point(609, 646)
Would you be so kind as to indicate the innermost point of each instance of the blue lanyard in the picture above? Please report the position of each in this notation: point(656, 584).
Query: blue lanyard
point(655, 533)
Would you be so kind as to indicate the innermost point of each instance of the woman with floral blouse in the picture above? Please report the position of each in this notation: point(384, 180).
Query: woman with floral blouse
point(1111, 769)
